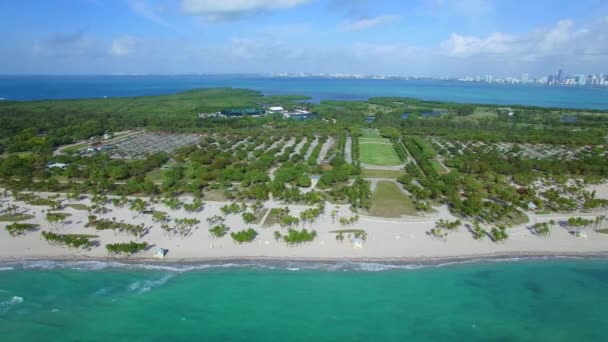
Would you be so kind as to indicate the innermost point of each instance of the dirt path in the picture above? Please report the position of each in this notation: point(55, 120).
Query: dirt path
point(348, 149)
point(314, 144)
point(326, 147)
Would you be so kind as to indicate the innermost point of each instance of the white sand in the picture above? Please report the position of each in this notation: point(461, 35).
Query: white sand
point(404, 238)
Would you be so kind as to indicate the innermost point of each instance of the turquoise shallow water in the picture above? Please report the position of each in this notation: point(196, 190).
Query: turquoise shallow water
point(530, 300)
point(56, 87)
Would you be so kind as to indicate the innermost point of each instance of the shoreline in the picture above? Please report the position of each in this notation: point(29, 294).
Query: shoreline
point(422, 261)
point(396, 241)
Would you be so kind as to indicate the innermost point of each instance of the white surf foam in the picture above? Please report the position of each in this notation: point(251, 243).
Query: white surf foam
point(257, 264)
point(144, 286)
point(8, 304)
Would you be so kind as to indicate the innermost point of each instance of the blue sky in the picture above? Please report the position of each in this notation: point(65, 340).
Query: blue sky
point(416, 37)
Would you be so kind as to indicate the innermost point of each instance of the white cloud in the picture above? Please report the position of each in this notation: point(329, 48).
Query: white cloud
point(367, 23)
point(145, 10)
point(217, 10)
point(466, 46)
point(123, 46)
point(562, 40)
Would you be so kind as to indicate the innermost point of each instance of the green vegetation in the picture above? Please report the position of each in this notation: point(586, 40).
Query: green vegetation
point(15, 217)
point(70, 240)
point(443, 227)
point(499, 233)
point(137, 230)
point(542, 228)
point(78, 206)
point(296, 237)
point(55, 218)
point(219, 231)
point(389, 201)
point(244, 236)
point(356, 233)
point(128, 248)
point(17, 229)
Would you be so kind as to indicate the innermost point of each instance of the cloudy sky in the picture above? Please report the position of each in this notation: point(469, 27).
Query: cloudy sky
point(409, 37)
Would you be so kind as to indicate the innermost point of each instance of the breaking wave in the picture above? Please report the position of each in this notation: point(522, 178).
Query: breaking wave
point(144, 286)
point(294, 266)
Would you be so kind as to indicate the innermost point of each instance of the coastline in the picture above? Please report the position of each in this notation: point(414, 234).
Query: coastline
point(421, 261)
point(401, 241)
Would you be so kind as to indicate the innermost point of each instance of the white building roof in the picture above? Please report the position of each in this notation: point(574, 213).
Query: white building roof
point(276, 109)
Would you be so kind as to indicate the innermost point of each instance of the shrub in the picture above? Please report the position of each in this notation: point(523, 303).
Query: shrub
point(294, 237)
point(248, 217)
point(244, 235)
point(16, 229)
point(126, 248)
point(70, 240)
point(219, 230)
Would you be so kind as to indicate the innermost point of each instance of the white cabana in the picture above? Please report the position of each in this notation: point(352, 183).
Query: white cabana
point(159, 253)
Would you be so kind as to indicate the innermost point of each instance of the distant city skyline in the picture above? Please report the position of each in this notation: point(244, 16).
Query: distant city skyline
point(420, 38)
point(559, 78)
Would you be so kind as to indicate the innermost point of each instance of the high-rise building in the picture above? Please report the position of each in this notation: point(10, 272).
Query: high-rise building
point(559, 76)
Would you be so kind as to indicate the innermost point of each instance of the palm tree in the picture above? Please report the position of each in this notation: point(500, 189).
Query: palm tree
point(334, 213)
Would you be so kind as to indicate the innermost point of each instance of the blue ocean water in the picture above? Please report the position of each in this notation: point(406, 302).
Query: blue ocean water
point(526, 300)
point(61, 87)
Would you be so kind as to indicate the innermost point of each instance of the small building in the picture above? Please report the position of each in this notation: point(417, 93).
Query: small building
point(108, 136)
point(357, 243)
point(57, 166)
point(405, 115)
point(160, 253)
point(532, 206)
point(569, 119)
point(298, 114)
point(276, 109)
point(370, 119)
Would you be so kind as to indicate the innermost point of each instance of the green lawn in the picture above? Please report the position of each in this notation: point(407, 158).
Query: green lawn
point(389, 201)
point(393, 174)
point(381, 153)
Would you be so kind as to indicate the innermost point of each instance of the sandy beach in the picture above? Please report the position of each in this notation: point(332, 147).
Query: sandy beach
point(387, 239)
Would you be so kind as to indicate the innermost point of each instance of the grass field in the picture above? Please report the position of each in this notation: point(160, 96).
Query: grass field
point(375, 150)
point(392, 174)
point(389, 201)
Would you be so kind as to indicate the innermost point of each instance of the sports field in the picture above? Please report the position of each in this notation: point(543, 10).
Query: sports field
point(389, 201)
point(376, 150)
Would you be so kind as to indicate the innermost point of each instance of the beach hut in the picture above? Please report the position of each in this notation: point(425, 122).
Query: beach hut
point(160, 253)
point(357, 243)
